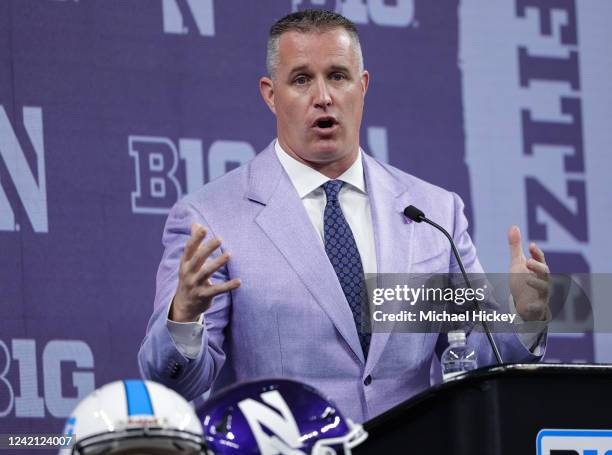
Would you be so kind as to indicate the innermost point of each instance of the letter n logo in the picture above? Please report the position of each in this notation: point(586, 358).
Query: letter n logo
point(182, 16)
point(272, 424)
point(31, 188)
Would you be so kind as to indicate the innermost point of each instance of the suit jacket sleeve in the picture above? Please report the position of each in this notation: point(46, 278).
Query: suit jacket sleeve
point(159, 358)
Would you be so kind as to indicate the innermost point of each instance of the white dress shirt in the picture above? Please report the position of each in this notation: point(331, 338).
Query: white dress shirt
point(353, 198)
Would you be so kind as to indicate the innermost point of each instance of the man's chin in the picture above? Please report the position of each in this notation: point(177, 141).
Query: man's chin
point(327, 147)
point(324, 156)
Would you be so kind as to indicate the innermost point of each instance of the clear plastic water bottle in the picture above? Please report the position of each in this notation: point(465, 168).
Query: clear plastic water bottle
point(458, 357)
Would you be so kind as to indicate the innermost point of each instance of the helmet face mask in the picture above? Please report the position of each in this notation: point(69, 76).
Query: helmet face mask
point(276, 417)
point(134, 417)
point(146, 441)
point(348, 442)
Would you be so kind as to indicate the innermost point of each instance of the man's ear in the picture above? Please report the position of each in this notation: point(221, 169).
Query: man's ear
point(266, 88)
point(365, 80)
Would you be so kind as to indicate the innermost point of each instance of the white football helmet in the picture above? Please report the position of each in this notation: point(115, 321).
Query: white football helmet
point(134, 417)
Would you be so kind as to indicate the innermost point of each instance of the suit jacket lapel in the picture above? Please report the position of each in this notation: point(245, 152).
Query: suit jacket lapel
point(285, 221)
point(393, 234)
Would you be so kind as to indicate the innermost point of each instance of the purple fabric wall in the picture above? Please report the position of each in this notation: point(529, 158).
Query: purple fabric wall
point(110, 111)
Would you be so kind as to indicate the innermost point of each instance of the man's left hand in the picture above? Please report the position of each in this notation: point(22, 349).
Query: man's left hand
point(529, 279)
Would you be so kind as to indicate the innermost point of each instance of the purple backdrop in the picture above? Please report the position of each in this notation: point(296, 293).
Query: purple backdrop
point(110, 111)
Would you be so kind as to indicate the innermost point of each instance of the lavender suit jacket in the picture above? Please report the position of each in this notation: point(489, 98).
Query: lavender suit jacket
point(289, 318)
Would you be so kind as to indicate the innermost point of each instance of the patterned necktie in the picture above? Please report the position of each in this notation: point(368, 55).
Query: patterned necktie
point(344, 256)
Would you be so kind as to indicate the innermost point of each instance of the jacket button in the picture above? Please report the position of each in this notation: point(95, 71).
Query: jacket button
point(175, 371)
point(368, 380)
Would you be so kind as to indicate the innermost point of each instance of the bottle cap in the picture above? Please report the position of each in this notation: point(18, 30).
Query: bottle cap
point(456, 336)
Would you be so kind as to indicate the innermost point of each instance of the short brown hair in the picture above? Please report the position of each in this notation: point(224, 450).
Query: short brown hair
point(308, 21)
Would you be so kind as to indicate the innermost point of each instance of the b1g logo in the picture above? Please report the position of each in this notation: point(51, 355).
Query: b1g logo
point(27, 181)
point(397, 13)
point(185, 16)
point(574, 442)
point(160, 166)
point(23, 396)
point(165, 170)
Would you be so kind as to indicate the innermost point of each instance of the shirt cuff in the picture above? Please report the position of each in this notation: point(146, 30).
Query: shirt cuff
point(186, 335)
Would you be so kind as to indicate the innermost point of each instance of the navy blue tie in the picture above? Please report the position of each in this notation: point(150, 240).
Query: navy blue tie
point(344, 256)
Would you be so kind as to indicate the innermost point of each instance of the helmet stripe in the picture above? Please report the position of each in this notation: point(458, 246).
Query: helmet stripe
point(137, 397)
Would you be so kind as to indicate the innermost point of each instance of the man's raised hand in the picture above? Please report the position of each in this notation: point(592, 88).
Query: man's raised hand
point(529, 279)
point(195, 291)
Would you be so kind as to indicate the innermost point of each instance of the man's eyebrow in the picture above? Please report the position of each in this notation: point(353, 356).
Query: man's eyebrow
point(298, 69)
point(305, 69)
point(341, 68)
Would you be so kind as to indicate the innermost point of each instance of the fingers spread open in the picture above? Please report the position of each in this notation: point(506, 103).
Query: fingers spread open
point(203, 253)
point(210, 267)
point(208, 292)
point(514, 243)
point(536, 253)
point(198, 233)
point(539, 268)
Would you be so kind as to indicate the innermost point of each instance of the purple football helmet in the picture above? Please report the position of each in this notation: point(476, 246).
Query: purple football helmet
point(277, 416)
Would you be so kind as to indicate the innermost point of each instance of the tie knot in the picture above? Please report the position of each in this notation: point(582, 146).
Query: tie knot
point(332, 188)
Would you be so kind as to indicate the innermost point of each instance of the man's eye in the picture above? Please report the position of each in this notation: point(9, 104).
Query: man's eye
point(338, 76)
point(300, 80)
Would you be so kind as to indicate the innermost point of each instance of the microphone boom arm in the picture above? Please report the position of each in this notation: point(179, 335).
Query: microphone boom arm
point(418, 216)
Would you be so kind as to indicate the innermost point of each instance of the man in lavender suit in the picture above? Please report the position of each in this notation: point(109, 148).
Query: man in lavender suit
point(277, 307)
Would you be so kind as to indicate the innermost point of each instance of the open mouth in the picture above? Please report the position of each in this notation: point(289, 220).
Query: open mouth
point(325, 123)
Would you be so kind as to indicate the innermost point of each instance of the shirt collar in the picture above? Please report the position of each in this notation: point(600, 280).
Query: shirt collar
point(305, 179)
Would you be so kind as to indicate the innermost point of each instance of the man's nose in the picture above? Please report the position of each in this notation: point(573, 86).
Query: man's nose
point(322, 95)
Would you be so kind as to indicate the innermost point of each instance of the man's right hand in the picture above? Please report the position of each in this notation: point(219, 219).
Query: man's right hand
point(195, 291)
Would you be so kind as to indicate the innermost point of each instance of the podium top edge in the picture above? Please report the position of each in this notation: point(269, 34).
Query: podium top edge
point(545, 367)
point(494, 372)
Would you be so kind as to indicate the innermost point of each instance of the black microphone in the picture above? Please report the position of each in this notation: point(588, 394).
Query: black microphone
point(417, 216)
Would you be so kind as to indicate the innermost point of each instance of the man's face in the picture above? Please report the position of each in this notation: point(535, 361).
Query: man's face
point(317, 96)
